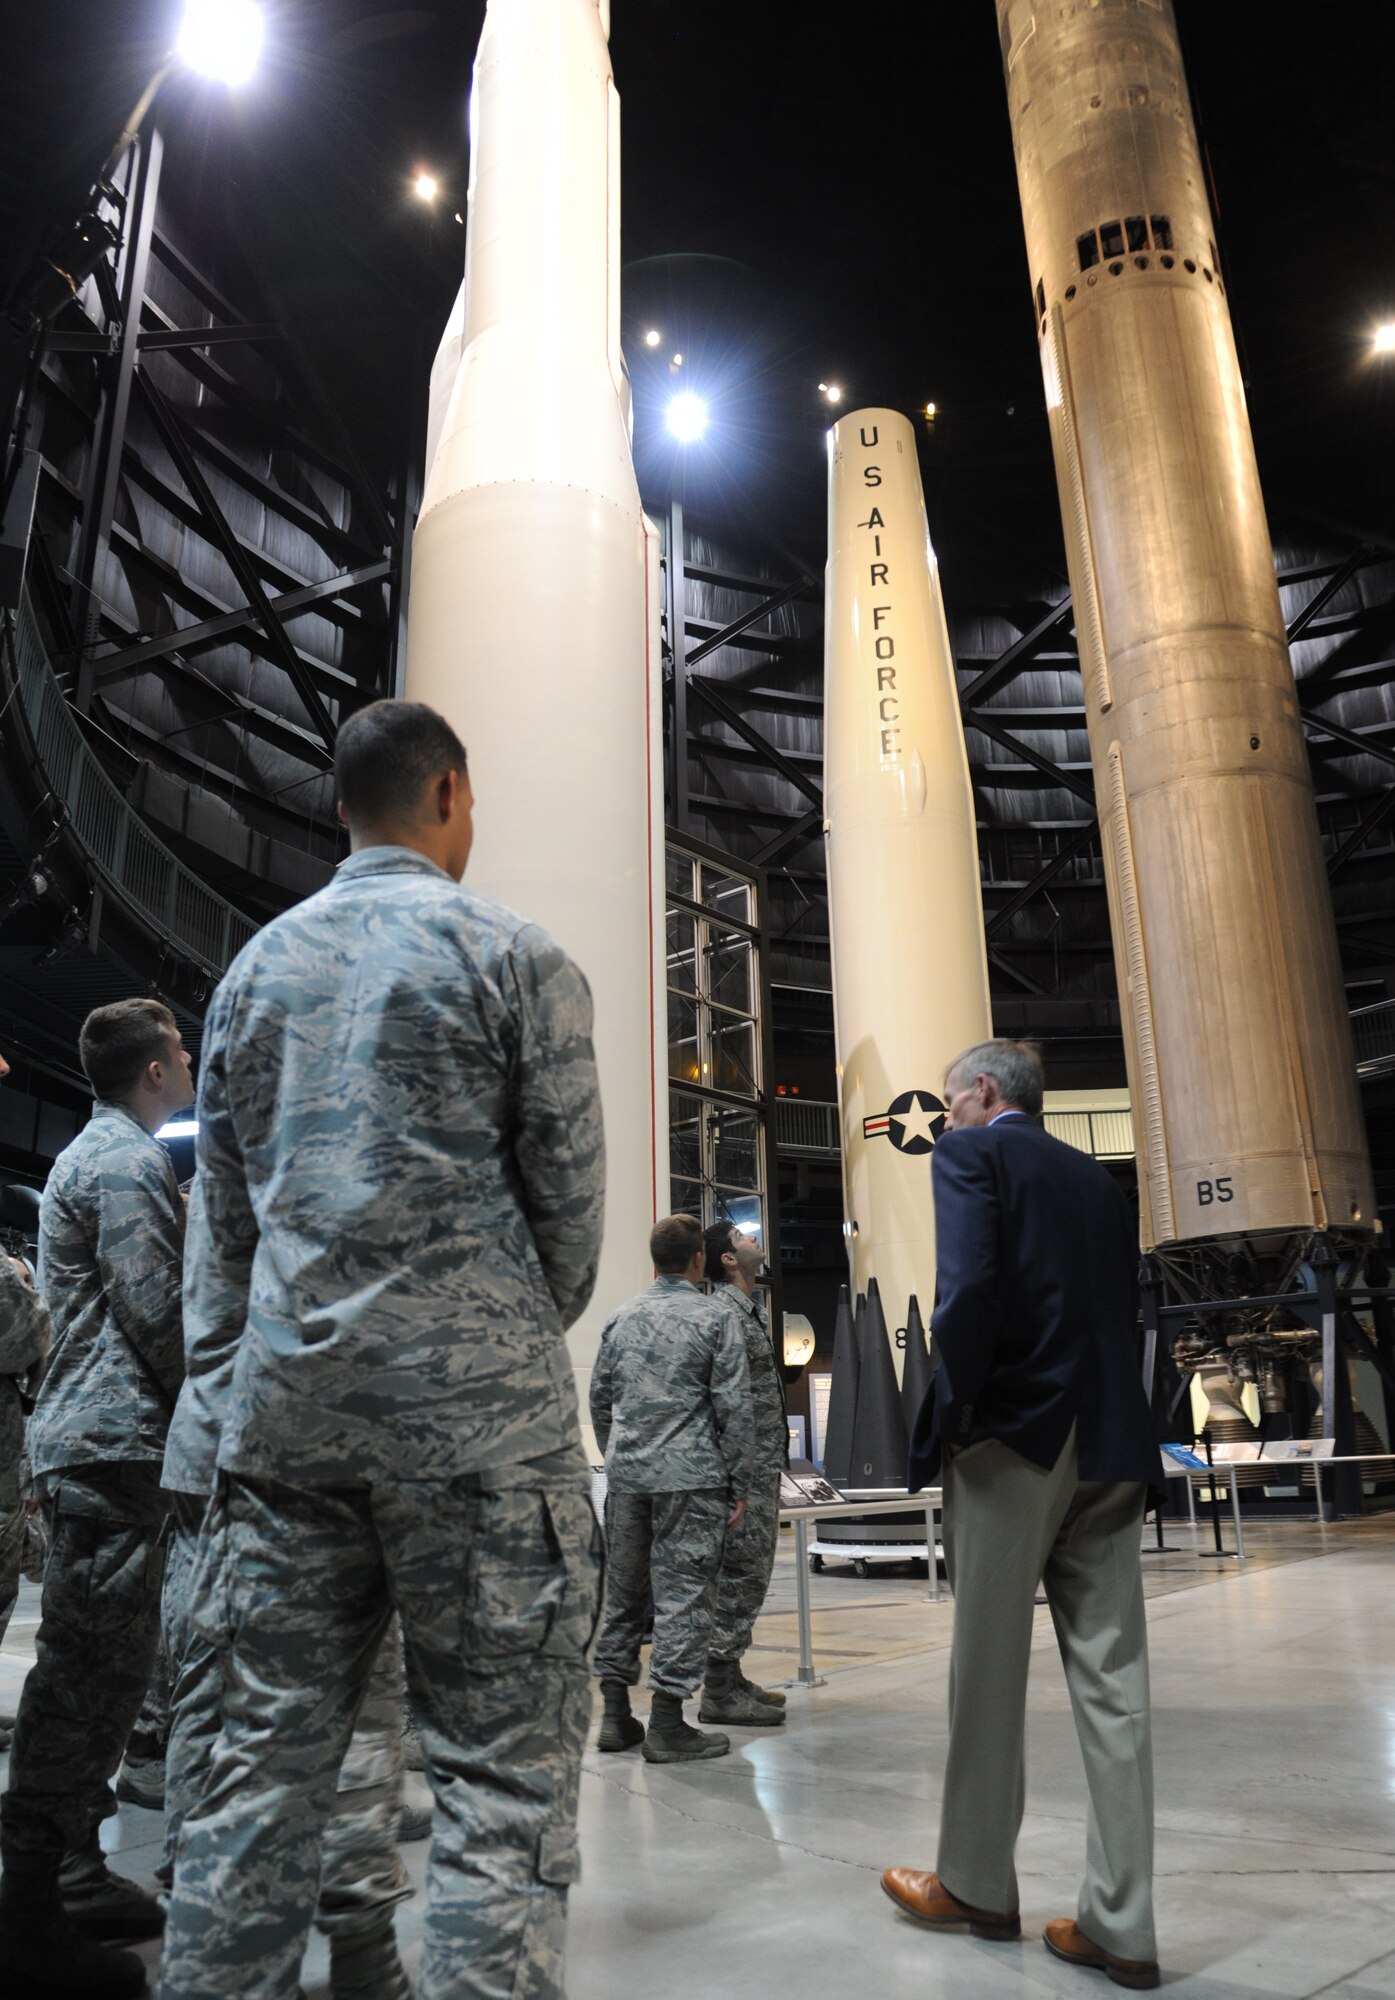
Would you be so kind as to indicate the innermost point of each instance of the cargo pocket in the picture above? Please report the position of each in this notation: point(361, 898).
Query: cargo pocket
point(67, 1591)
point(210, 1573)
point(532, 1580)
point(577, 1533)
point(559, 1859)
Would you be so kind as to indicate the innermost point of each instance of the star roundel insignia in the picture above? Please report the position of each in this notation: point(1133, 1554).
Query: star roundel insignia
point(914, 1121)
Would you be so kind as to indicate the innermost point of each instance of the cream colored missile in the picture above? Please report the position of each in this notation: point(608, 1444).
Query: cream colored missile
point(910, 969)
point(1241, 1070)
point(534, 601)
point(444, 368)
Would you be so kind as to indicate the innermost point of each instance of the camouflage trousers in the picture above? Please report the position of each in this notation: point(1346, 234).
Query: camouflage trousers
point(495, 1576)
point(11, 1553)
point(362, 1877)
point(99, 1626)
point(670, 1544)
point(748, 1558)
point(143, 1762)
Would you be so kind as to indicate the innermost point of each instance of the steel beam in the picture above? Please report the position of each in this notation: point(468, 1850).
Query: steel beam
point(283, 652)
point(1375, 816)
point(806, 828)
point(114, 403)
point(157, 340)
point(1071, 848)
point(1334, 583)
point(975, 719)
point(678, 647)
point(1017, 657)
point(777, 760)
point(731, 632)
point(119, 666)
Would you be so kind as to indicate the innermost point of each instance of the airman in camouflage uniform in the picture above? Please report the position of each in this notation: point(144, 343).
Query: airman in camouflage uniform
point(25, 1333)
point(733, 1260)
point(671, 1406)
point(111, 1238)
point(401, 1166)
point(362, 1878)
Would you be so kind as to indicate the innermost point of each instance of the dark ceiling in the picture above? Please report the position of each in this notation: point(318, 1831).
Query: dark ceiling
point(810, 191)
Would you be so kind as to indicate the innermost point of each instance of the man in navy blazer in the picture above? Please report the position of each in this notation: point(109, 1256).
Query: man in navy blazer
point(1039, 1427)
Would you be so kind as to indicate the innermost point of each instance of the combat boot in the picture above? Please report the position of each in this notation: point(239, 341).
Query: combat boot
point(364, 1965)
point(619, 1729)
point(772, 1697)
point(725, 1700)
point(671, 1740)
point(101, 1904)
point(44, 1957)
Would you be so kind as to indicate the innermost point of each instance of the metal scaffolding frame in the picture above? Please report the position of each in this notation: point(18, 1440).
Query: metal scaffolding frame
point(721, 725)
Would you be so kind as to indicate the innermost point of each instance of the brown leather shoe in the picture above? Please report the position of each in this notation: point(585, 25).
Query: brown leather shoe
point(1066, 1940)
point(926, 1898)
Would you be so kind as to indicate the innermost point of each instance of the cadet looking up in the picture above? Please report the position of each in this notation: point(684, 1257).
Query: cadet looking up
point(111, 1240)
point(398, 1212)
point(671, 1406)
point(734, 1260)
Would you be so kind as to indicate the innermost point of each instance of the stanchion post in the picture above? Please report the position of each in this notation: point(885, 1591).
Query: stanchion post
point(806, 1675)
point(1220, 1552)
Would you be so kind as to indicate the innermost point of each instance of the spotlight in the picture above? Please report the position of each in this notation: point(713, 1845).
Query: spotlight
point(831, 391)
point(677, 361)
point(687, 417)
point(426, 186)
point(221, 38)
point(653, 337)
point(929, 413)
point(1383, 340)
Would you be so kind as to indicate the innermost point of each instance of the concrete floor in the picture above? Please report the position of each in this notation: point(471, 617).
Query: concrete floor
point(1274, 1713)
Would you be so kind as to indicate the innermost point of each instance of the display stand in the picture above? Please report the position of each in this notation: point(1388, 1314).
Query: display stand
point(927, 1503)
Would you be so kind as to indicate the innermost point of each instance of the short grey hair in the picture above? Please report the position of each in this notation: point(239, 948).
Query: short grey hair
point(1016, 1067)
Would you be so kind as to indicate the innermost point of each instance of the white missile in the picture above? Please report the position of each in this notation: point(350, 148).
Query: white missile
point(910, 967)
point(444, 369)
point(534, 603)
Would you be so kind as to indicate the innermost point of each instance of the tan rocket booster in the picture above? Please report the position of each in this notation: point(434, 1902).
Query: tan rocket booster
point(910, 971)
point(1239, 1051)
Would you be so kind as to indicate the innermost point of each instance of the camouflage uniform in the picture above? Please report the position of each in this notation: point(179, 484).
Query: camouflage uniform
point(400, 1166)
point(24, 1341)
point(749, 1555)
point(111, 1235)
point(671, 1406)
point(363, 1878)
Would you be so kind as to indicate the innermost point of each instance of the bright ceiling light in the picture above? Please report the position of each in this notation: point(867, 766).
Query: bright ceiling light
point(427, 186)
point(221, 39)
point(677, 361)
point(179, 1128)
point(1384, 338)
point(653, 337)
point(832, 391)
point(930, 411)
point(687, 417)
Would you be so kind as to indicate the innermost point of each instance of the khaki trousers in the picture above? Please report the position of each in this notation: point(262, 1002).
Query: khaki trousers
point(1008, 1527)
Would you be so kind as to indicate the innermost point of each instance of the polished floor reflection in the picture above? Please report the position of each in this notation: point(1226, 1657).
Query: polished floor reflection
point(1274, 1705)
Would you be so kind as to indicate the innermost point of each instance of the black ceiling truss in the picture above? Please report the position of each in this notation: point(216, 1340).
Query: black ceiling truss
point(199, 494)
point(766, 692)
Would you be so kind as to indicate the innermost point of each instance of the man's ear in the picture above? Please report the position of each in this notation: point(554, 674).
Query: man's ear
point(447, 793)
point(340, 814)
